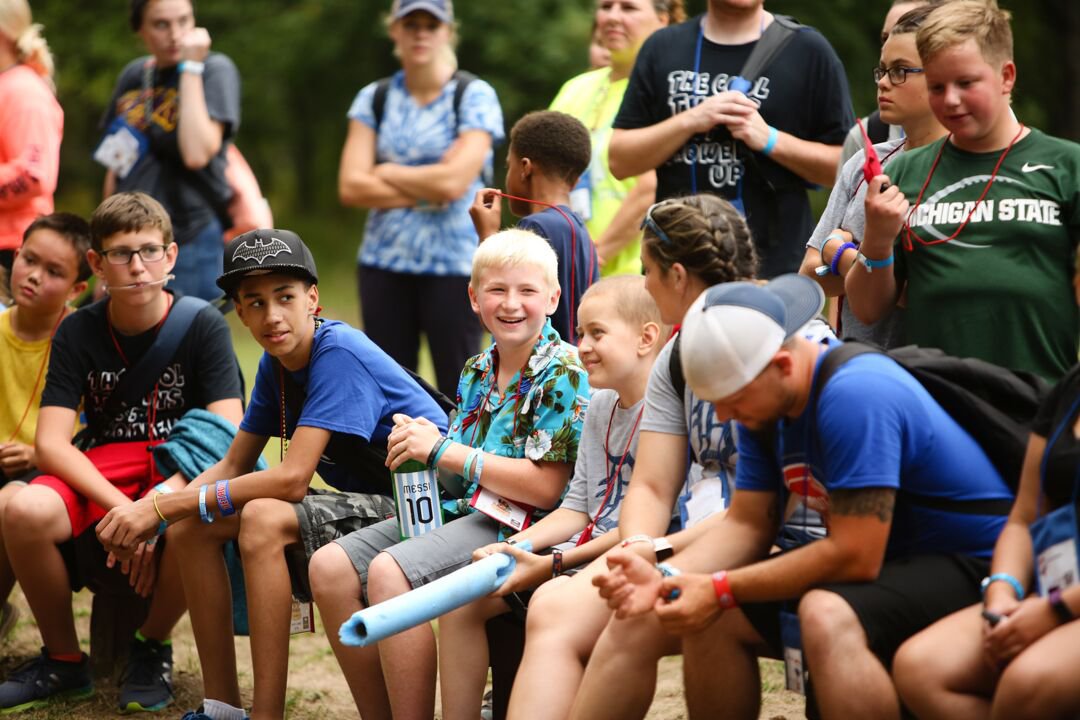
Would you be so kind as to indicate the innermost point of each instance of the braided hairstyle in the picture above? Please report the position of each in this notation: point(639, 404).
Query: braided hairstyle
point(707, 236)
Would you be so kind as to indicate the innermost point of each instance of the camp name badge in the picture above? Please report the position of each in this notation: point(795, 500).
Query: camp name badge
point(121, 147)
point(301, 621)
point(506, 512)
point(416, 495)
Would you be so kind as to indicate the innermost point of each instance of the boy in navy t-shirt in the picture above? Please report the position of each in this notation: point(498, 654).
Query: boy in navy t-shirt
point(548, 153)
point(330, 394)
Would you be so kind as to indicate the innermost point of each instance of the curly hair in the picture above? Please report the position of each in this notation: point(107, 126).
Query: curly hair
point(707, 236)
point(557, 143)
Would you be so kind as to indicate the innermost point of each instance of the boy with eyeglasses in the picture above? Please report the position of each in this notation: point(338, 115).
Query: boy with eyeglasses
point(97, 353)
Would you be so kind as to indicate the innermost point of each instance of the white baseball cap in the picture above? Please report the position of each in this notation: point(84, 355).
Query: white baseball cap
point(733, 330)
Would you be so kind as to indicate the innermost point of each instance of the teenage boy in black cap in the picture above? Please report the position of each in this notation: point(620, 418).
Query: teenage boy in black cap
point(330, 394)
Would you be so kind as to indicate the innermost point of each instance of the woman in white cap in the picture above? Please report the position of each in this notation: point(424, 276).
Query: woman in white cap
point(417, 145)
point(31, 126)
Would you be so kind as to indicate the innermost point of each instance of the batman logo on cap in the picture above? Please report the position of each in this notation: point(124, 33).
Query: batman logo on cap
point(261, 250)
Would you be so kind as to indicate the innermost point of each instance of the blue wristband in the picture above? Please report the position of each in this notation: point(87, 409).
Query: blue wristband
point(478, 467)
point(834, 266)
point(162, 488)
point(224, 499)
point(1003, 577)
point(446, 443)
point(203, 513)
point(771, 142)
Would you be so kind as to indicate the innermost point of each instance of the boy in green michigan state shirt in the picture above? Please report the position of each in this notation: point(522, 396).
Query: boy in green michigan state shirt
point(985, 223)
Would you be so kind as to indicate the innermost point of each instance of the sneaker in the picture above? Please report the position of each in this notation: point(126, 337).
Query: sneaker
point(485, 706)
point(42, 680)
point(146, 685)
point(200, 715)
point(9, 615)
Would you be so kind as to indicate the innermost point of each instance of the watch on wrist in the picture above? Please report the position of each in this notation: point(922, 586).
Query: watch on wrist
point(1057, 604)
point(662, 548)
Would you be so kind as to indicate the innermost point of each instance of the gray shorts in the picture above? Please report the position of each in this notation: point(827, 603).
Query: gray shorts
point(423, 558)
point(326, 515)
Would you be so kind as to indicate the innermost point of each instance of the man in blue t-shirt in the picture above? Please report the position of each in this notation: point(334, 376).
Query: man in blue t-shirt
point(329, 395)
point(901, 486)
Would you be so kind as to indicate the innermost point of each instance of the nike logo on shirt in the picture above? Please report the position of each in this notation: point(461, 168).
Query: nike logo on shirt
point(1028, 167)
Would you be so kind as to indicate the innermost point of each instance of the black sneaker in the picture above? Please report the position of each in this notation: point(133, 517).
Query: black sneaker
point(146, 685)
point(42, 680)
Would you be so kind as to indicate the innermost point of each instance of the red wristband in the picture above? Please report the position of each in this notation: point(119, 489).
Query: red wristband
point(722, 588)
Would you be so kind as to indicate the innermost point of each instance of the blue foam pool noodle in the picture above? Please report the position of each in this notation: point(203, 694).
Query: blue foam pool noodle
point(427, 602)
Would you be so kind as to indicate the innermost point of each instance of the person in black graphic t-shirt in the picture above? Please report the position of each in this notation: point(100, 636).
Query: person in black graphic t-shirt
point(758, 150)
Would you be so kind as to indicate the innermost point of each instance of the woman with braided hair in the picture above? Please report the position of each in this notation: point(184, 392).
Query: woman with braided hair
point(31, 127)
point(688, 245)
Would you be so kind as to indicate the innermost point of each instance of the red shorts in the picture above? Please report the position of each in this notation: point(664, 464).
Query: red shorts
point(126, 465)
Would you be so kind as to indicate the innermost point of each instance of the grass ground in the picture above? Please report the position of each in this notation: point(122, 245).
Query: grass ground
point(317, 690)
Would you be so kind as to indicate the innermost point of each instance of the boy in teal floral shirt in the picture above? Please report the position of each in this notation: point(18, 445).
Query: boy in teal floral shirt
point(514, 442)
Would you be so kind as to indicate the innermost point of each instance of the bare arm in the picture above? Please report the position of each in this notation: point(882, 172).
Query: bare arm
point(833, 285)
point(231, 409)
point(444, 181)
point(198, 135)
point(357, 184)
point(854, 551)
point(873, 294)
point(654, 486)
point(1013, 552)
point(626, 224)
point(57, 456)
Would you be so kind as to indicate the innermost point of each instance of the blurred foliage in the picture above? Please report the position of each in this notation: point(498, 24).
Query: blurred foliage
point(303, 61)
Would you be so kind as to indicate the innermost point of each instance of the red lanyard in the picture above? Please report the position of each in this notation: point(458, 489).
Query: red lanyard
point(487, 396)
point(40, 374)
point(151, 414)
point(909, 233)
point(573, 255)
point(613, 478)
point(884, 160)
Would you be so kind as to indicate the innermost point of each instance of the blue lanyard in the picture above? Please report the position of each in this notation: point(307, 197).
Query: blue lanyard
point(1065, 422)
point(693, 152)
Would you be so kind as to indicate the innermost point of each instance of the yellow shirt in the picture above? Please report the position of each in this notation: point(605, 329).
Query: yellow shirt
point(594, 100)
point(21, 363)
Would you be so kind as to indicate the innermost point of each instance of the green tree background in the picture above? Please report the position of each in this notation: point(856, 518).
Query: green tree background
point(302, 62)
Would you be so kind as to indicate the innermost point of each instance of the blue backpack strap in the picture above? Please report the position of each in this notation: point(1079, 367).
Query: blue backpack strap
point(140, 379)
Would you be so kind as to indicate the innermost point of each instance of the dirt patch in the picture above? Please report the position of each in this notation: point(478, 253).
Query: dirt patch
point(317, 690)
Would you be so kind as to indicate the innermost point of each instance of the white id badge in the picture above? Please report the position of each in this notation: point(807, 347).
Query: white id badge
point(794, 667)
point(507, 512)
point(301, 618)
point(706, 498)
point(581, 196)
point(1054, 538)
point(416, 495)
point(121, 148)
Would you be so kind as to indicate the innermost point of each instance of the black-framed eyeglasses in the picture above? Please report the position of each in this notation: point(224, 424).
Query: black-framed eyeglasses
point(122, 256)
point(897, 73)
point(651, 224)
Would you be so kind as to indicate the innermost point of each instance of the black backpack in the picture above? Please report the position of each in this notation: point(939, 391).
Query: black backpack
point(993, 404)
point(463, 77)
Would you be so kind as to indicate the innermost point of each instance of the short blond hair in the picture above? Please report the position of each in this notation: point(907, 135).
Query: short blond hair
point(957, 22)
point(632, 302)
point(514, 247)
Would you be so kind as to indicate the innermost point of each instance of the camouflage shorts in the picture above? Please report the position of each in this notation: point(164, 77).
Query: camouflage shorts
point(324, 516)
